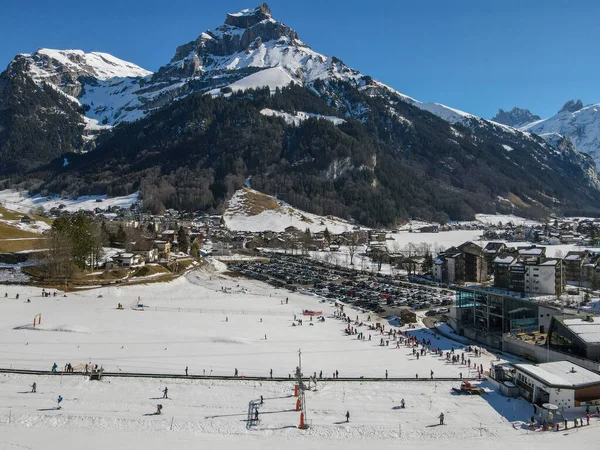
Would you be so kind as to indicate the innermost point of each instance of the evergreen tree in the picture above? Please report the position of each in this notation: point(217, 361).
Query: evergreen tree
point(182, 240)
point(195, 249)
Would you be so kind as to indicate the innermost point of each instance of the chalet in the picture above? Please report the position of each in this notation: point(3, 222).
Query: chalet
point(147, 249)
point(28, 218)
point(127, 260)
point(164, 248)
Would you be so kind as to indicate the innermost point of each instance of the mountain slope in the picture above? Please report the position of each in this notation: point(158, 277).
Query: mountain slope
point(249, 98)
point(578, 123)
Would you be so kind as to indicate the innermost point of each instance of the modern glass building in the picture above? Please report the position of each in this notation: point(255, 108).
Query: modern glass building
point(485, 315)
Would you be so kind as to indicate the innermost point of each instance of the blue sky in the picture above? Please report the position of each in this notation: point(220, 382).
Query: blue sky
point(477, 56)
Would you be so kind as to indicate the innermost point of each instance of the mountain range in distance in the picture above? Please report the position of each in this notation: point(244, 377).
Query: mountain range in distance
point(248, 100)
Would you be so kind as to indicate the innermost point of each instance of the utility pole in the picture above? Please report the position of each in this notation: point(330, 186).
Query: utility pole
point(301, 387)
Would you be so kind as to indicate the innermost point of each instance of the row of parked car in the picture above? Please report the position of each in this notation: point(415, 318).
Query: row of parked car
point(364, 290)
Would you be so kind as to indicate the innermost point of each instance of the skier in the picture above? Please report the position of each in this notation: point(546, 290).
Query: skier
point(256, 414)
point(34, 388)
point(441, 417)
point(347, 416)
point(54, 367)
point(386, 374)
point(337, 374)
point(235, 373)
point(432, 374)
point(265, 337)
point(271, 373)
point(165, 392)
point(159, 408)
point(261, 400)
point(402, 404)
point(186, 371)
point(58, 401)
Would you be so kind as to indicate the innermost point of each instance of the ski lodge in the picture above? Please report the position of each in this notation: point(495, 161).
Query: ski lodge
point(561, 383)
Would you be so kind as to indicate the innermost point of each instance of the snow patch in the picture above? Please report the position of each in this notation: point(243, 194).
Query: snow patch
point(21, 201)
point(300, 116)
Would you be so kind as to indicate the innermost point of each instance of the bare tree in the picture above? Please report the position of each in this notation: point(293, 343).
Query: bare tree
point(378, 256)
point(352, 247)
point(59, 259)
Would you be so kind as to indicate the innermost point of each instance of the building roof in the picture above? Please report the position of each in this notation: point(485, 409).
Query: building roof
point(587, 329)
point(560, 374)
point(507, 259)
point(493, 247)
point(573, 257)
point(550, 262)
point(533, 251)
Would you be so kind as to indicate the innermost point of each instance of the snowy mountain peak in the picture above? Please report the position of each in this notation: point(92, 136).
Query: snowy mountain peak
point(101, 66)
point(572, 106)
point(242, 33)
point(580, 124)
point(249, 17)
point(516, 117)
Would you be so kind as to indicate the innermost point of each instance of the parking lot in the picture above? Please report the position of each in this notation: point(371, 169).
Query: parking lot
point(381, 294)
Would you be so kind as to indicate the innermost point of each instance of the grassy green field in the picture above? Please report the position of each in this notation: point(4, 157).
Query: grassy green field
point(15, 240)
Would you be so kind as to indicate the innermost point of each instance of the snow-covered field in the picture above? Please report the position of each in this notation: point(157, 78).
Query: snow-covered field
point(237, 216)
point(210, 322)
point(193, 322)
point(20, 201)
point(213, 414)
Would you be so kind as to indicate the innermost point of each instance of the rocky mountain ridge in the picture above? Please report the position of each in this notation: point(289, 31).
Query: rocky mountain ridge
point(516, 117)
point(441, 150)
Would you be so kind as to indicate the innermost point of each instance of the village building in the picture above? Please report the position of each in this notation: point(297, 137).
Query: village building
point(579, 336)
point(465, 263)
point(147, 249)
point(28, 218)
point(562, 383)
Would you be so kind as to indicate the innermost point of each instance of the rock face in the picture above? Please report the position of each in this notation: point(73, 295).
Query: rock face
point(516, 117)
point(249, 18)
point(572, 106)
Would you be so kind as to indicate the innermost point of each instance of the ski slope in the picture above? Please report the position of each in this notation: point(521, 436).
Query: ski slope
point(208, 321)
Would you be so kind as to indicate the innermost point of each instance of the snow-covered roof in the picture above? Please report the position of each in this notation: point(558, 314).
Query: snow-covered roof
point(560, 374)
point(550, 262)
point(504, 259)
point(587, 331)
point(573, 257)
point(531, 251)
